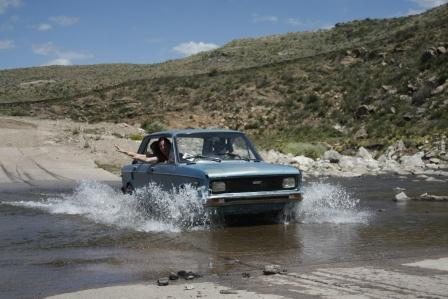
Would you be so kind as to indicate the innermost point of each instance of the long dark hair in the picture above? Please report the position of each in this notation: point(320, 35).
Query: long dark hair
point(161, 157)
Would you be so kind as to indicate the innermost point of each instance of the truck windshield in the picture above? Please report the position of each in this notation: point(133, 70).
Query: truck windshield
point(214, 147)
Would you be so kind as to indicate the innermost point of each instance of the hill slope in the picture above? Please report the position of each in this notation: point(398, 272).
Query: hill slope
point(365, 82)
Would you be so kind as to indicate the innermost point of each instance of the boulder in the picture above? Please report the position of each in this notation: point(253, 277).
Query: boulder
point(440, 88)
point(389, 89)
point(332, 156)
point(271, 269)
point(303, 162)
point(429, 197)
point(164, 281)
point(364, 110)
point(363, 153)
point(357, 165)
point(412, 162)
point(390, 165)
point(406, 98)
point(361, 133)
point(401, 197)
point(441, 50)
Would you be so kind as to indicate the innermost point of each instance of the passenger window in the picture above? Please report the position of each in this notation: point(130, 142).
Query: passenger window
point(152, 149)
point(240, 148)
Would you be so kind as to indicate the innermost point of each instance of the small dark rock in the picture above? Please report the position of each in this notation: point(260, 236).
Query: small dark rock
point(427, 55)
point(408, 116)
point(381, 210)
point(246, 274)
point(228, 292)
point(188, 275)
point(173, 276)
point(164, 281)
point(182, 274)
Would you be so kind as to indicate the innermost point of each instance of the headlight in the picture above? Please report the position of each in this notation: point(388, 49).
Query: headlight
point(218, 186)
point(289, 183)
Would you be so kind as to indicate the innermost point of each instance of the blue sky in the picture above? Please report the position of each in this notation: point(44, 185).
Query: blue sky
point(34, 33)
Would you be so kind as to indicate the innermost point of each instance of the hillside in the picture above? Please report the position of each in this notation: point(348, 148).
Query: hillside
point(366, 82)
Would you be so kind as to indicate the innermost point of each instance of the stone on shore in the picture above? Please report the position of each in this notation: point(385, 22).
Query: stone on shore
point(163, 281)
point(271, 269)
point(332, 156)
point(413, 163)
point(303, 162)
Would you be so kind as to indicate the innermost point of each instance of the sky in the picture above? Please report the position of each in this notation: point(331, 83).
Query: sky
point(67, 32)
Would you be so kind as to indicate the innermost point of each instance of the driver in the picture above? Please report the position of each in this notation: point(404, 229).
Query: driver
point(161, 152)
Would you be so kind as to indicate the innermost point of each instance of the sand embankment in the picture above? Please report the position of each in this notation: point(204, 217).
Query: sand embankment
point(37, 152)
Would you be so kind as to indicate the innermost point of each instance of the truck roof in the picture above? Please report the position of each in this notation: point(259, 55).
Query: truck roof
point(194, 131)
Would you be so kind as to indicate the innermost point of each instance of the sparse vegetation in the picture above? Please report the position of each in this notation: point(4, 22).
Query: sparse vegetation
point(366, 76)
point(153, 126)
point(305, 149)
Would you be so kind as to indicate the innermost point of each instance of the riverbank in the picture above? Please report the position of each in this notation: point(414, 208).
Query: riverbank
point(36, 150)
point(402, 278)
point(430, 165)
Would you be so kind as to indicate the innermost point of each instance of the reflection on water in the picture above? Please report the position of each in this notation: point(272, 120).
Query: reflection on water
point(95, 235)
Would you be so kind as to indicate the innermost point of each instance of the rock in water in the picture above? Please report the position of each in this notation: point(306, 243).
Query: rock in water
point(164, 281)
point(429, 197)
point(401, 197)
point(271, 269)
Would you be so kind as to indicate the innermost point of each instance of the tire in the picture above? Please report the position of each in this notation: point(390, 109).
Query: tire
point(129, 189)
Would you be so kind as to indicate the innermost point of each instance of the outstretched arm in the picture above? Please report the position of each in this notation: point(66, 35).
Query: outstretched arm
point(136, 156)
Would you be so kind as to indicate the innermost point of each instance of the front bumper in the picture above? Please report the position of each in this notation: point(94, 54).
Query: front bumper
point(277, 198)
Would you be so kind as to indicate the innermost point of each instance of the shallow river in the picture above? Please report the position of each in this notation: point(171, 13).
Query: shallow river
point(54, 241)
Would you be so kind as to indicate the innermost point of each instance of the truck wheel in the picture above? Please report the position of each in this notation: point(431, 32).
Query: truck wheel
point(129, 189)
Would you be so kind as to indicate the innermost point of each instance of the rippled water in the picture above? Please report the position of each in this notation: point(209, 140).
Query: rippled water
point(93, 235)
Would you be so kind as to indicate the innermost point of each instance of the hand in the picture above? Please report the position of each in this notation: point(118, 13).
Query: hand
point(118, 148)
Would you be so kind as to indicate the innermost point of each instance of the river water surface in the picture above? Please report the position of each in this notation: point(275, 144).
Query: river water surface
point(54, 241)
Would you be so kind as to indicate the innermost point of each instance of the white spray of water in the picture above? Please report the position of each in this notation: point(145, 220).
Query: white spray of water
point(327, 203)
point(153, 209)
point(149, 209)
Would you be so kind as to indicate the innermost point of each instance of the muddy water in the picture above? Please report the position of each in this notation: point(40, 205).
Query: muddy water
point(54, 241)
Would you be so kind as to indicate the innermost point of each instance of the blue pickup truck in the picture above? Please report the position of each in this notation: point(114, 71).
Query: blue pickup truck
point(229, 174)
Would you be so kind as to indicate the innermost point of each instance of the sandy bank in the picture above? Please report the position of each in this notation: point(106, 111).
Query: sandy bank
point(37, 152)
point(396, 279)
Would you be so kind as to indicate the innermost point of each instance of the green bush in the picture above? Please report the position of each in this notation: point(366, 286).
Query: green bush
point(136, 137)
point(153, 126)
point(304, 149)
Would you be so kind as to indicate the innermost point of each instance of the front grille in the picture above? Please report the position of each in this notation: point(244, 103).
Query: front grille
point(252, 184)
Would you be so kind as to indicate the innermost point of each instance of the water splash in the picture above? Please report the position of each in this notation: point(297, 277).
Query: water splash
point(148, 209)
point(327, 203)
point(153, 209)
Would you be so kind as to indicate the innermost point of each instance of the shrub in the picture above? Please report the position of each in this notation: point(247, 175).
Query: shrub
point(153, 126)
point(306, 149)
point(136, 137)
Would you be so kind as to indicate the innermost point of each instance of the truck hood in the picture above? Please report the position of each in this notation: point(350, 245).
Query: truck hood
point(243, 168)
